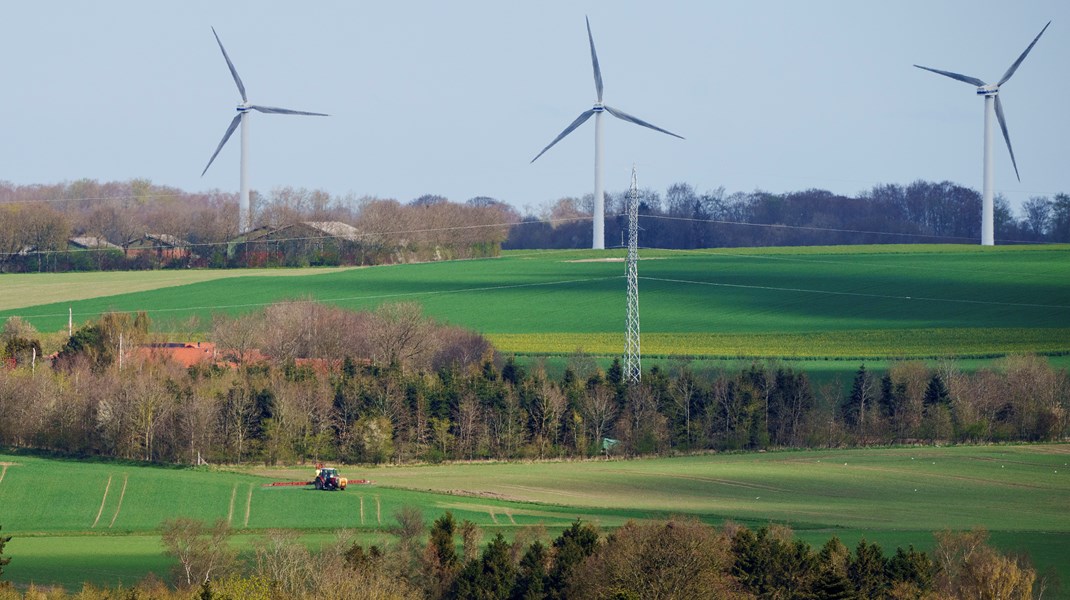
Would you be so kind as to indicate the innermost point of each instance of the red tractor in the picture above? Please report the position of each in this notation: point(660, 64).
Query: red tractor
point(328, 479)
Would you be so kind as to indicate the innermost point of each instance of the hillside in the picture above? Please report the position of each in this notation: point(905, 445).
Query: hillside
point(75, 521)
point(818, 302)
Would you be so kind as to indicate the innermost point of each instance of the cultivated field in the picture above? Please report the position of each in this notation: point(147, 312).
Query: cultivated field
point(792, 303)
point(75, 521)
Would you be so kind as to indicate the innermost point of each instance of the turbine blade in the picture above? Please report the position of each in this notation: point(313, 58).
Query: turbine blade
point(962, 78)
point(285, 111)
point(579, 121)
point(226, 136)
point(620, 114)
point(1006, 136)
point(1014, 67)
point(233, 71)
point(594, 61)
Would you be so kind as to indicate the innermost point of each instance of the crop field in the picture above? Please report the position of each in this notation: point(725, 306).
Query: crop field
point(97, 521)
point(791, 303)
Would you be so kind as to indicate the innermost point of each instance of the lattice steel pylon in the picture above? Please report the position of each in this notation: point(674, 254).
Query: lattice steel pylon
point(633, 370)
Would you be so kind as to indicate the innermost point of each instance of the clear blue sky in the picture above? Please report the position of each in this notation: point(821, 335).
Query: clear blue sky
point(455, 98)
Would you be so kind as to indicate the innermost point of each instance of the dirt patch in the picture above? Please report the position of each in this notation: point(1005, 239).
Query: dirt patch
point(248, 505)
point(102, 501)
point(122, 494)
point(482, 494)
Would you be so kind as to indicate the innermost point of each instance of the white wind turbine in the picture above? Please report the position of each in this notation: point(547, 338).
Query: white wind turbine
point(241, 118)
point(599, 241)
point(992, 106)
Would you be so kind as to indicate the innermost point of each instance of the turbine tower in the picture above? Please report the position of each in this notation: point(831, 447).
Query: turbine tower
point(242, 118)
point(633, 370)
point(993, 106)
point(599, 241)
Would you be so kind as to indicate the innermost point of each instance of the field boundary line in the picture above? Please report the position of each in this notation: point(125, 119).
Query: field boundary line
point(102, 501)
point(122, 494)
point(248, 505)
point(230, 511)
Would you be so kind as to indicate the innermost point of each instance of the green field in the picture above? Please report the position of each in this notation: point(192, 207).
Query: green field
point(864, 302)
point(70, 524)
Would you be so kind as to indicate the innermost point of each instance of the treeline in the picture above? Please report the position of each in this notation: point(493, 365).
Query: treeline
point(409, 389)
point(36, 223)
point(679, 559)
point(922, 212)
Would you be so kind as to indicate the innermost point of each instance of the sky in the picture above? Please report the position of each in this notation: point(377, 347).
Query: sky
point(456, 98)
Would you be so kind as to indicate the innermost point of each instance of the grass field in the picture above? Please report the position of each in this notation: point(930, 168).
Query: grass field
point(792, 303)
point(70, 524)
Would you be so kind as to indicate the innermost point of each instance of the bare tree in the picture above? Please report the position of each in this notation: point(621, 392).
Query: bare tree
point(202, 551)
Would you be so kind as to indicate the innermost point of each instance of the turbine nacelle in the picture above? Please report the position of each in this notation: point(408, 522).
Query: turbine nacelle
point(598, 107)
point(988, 90)
point(244, 107)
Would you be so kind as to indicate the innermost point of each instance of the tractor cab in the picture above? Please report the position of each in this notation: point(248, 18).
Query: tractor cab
point(328, 479)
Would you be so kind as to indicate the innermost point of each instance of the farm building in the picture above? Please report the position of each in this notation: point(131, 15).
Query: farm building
point(300, 244)
point(159, 245)
point(90, 242)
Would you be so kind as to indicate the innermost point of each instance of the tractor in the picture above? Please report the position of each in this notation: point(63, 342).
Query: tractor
point(328, 479)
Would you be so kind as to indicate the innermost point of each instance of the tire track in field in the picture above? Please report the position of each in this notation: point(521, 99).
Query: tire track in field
point(248, 505)
point(120, 506)
point(3, 471)
point(102, 501)
point(362, 510)
point(230, 511)
point(717, 480)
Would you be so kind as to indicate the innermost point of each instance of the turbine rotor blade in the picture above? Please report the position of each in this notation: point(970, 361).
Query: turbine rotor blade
point(594, 62)
point(620, 114)
point(226, 136)
point(285, 111)
point(963, 78)
point(1014, 67)
point(1006, 136)
point(579, 121)
point(233, 71)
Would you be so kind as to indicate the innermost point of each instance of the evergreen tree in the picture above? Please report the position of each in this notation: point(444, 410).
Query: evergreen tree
point(936, 393)
point(857, 405)
point(440, 556)
point(832, 584)
point(531, 574)
point(570, 548)
point(866, 570)
point(911, 566)
point(3, 561)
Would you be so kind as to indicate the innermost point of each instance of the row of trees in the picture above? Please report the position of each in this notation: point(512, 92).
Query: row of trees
point(422, 391)
point(36, 222)
point(679, 558)
point(40, 218)
point(922, 212)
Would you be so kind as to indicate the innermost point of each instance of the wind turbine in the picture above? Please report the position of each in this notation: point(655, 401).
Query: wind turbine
point(241, 118)
point(992, 106)
point(599, 241)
